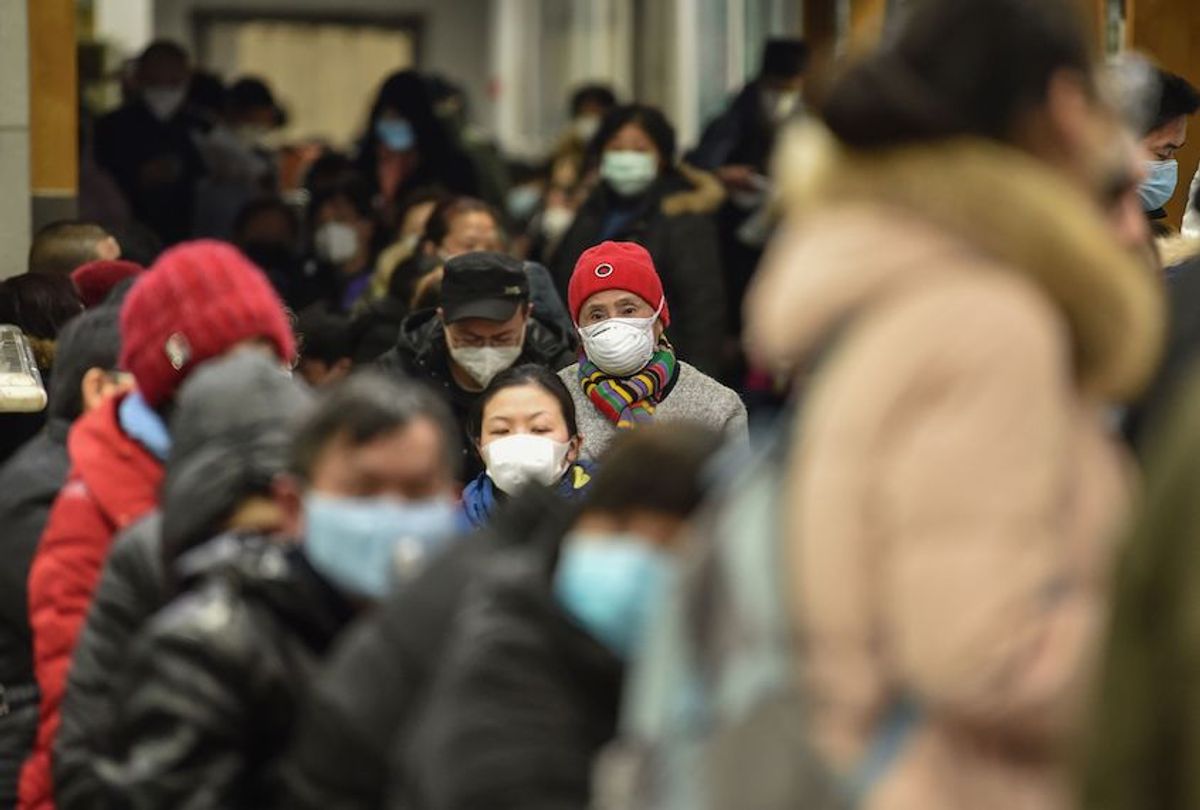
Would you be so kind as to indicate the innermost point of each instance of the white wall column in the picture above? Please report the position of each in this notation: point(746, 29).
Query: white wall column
point(15, 202)
point(127, 24)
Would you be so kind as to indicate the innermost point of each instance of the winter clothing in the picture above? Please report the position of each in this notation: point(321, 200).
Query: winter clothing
point(113, 482)
point(231, 430)
point(616, 266)
point(131, 589)
point(672, 221)
point(95, 280)
point(367, 698)
point(629, 402)
point(523, 701)
point(480, 498)
point(689, 397)
point(155, 163)
point(421, 354)
point(29, 483)
point(208, 699)
point(197, 301)
point(956, 424)
point(1141, 740)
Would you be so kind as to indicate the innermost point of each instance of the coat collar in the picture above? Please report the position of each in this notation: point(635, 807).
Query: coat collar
point(944, 208)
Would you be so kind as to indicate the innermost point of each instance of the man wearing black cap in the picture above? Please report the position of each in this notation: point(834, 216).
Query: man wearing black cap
point(482, 327)
point(737, 146)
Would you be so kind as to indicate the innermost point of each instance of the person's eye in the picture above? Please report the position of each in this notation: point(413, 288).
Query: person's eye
point(540, 431)
point(498, 432)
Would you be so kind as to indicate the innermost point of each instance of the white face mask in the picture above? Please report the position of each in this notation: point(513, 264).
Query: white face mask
point(629, 173)
point(780, 104)
point(555, 221)
point(620, 346)
point(516, 461)
point(483, 363)
point(164, 101)
point(336, 242)
point(251, 136)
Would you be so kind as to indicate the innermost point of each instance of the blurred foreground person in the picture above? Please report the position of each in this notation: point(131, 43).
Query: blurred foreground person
point(525, 430)
point(209, 697)
point(1143, 739)
point(60, 247)
point(199, 301)
point(29, 482)
point(952, 503)
point(530, 685)
point(629, 373)
point(231, 430)
point(647, 197)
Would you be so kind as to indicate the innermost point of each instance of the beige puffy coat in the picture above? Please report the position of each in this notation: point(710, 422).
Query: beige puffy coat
point(955, 491)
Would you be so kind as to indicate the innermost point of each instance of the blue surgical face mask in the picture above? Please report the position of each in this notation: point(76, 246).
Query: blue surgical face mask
point(611, 585)
point(396, 133)
point(1159, 186)
point(628, 172)
point(365, 545)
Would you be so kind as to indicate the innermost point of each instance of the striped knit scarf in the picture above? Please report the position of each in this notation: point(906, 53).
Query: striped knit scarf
point(629, 402)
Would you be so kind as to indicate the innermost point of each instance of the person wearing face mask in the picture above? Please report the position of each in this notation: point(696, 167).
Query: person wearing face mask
point(645, 197)
point(524, 428)
point(530, 685)
point(482, 327)
point(211, 685)
point(629, 374)
point(346, 238)
point(148, 147)
point(1165, 135)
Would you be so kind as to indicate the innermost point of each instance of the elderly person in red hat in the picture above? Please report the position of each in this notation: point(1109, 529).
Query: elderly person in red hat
point(198, 302)
point(629, 374)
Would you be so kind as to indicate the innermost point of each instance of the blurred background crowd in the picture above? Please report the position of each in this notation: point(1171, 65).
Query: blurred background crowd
point(741, 419)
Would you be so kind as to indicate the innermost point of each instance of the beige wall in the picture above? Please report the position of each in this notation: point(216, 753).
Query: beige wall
point(14, 138)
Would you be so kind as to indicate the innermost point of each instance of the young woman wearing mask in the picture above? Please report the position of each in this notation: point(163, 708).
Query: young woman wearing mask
point(524, 426)
point(629, 374)
point(645, 197)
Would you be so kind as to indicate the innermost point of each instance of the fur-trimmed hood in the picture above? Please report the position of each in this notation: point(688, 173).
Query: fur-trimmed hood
point(863, 225)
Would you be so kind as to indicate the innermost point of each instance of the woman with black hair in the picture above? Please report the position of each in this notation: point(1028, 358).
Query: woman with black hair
point(406, 147)
point(346, 238)
point(524, 428)
point(646, 197)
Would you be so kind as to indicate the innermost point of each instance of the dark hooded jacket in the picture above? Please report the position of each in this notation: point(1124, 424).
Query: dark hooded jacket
point(209, 697)
point(524, 700)
point(673, 221)
point(421, 354)
point(230, 437)
point(368, 696)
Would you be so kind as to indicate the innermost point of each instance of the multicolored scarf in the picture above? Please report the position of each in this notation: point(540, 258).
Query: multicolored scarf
point(629, 401)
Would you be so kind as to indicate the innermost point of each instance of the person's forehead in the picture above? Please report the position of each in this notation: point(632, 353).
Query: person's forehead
point(609, 298)
point(1170, 134)
point(416, 444)
point(522, 400)
point(484, 326)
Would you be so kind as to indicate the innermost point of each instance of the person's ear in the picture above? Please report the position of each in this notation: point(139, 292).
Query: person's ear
point(108, 248)
point(574, 448)
point(288, 494)
point(1070, 107)
point(93, 388)
point(659, 330)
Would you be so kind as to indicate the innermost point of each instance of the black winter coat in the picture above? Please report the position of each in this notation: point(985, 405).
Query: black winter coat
point(673, 222)
point(131, 590)
point(208, 700)
point(524, 701)
point(421, 354)
point(367, 697)
point(29, 483)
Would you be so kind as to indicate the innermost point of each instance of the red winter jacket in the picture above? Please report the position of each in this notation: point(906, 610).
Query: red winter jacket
point(113, 482)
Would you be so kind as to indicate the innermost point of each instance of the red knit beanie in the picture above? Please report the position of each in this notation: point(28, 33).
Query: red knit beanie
point(196, 302)
point(95, 280)
point(616, 266)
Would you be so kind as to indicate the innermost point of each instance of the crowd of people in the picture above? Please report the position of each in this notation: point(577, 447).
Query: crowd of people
point(431, 484)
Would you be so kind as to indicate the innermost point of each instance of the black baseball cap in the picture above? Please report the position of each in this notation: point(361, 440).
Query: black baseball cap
point(492, 286)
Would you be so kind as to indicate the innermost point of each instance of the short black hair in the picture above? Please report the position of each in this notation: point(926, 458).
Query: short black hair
point(520, 376)
point(595, 93)
point(659, 468)
point(450, 209)
point(163, 49)
point(323, 334)
point(41, 305)
point(1177, 98)
point(364, 407)
point(650, 119)
point(263, 205)
point(92, 340)
point(352, 187)
point(784, 58)
point(60, 247)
